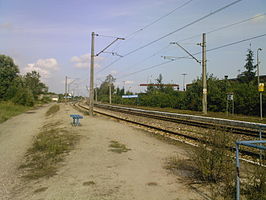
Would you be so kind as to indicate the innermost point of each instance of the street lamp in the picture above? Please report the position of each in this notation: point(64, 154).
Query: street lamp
point(260, 90)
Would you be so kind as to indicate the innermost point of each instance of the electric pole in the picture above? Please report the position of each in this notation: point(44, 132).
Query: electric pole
point(110, 92)
point(203, 63)
point(91, 103)
point(204, 78)
point(258, 71)
point(66, 89)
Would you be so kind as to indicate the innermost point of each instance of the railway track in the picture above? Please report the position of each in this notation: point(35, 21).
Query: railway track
point(174, 118)
point(184, 137)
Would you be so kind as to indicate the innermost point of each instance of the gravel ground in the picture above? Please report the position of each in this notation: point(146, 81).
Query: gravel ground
point(15, 137)
point(93, 171)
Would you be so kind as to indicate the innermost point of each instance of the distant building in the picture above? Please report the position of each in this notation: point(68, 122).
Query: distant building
point(55, 98)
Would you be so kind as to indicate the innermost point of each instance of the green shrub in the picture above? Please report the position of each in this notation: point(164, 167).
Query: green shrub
point(214, 165)
point(24, 97)
point(9, 109)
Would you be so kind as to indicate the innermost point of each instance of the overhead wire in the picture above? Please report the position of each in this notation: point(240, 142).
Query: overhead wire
point(179, 29)
point(183, 27)
point(209, 32)
point(145, 69)
point(131, 35)
point(224, 27)
point(208, 50)
point(160, 18)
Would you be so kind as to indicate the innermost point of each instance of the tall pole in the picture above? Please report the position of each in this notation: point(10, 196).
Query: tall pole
point(204, 78)
point(258, 70)
point(110, 92)
point(66, 89)
point(91, 103)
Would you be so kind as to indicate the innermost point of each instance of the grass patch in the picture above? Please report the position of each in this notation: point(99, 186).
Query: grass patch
point(152, 184)
point(41, 190)
point(117, 147)
point(49, 148)
point(87, 183)
point(9, 109)
point(53, 109)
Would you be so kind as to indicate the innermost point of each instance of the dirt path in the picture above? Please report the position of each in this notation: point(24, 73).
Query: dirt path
point(15, 137)
point(92, 171)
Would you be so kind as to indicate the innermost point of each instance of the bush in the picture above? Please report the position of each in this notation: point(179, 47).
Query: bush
point(255, 186)
point(214, 165)
point(24, 97)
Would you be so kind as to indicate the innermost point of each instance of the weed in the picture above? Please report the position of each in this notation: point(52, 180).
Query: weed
point(152, 184)
point(53, 109)
point(117, 147)
point(41, 189)
point(183, 167)
point(89, 183)
point(209, 163)
point(9, 110)
point(254, 187)
point(48, 149)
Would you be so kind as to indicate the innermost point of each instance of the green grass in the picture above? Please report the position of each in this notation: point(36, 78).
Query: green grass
point(53, 109)
point(117, 147)
point(9, 109)
point(49, 148)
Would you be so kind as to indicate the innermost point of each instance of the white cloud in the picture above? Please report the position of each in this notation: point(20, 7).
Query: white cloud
point(129, 82)
point(83, 61)
point(44, 66)
point(259, 18)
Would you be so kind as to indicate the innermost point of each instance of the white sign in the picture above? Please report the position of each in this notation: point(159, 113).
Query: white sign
point(129, 96)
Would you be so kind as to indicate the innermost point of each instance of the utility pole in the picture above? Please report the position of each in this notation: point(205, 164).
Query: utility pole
point(65, 89)
point(204, 78)
point(258, 70)
point(184, 74)
point(91, 103)
point(203, 63)
point(110, 92)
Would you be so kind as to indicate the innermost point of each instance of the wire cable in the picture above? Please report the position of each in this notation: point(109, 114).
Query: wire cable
point(160, 18)
point(179, 29)
point(225, 27)
point(208, 50)
point(131, 35)
point(151, 67)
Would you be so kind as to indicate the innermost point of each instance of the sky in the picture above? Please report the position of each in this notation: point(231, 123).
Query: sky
point(53, 37)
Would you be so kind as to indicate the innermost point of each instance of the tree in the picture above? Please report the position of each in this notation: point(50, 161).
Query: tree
point(103, 91)
point(248, 75)
point(8, 72)
point(32, 81)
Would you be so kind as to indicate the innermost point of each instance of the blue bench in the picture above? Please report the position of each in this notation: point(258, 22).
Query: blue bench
point(76, 119)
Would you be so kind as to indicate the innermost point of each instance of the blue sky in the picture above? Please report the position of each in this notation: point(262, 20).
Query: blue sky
point(53, 37)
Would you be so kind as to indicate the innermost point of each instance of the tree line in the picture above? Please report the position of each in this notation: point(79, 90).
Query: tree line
point(243, 93)
point(20, 89)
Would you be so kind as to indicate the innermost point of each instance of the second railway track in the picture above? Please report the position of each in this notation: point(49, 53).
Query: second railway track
point(236, 130)
point(186, 138)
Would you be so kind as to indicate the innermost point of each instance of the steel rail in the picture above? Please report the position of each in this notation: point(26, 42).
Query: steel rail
point(247, 128)
point(185, 136)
